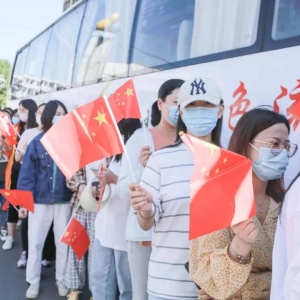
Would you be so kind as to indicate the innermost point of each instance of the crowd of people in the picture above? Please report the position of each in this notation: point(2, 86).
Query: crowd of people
point(139, 238)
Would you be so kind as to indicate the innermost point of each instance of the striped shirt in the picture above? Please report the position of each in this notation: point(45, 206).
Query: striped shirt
point(166, 177)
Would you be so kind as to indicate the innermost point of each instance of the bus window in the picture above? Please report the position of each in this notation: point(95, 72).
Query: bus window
point(103, 44)
point(17, 83)
point(286, 23)
point(169, 31)
point(34, 63)
point(58, 66)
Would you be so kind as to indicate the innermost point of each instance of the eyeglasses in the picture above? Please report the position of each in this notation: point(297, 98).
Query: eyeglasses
point(291, 148)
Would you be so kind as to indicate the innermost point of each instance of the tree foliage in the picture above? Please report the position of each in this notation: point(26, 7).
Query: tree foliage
point(5, 71)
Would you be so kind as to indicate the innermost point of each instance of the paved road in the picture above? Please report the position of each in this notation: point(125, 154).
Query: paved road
point(12, 279)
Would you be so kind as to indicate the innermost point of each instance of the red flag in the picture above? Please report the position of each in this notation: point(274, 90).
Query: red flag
point(16, 197)
point(76, 237)
point(83, 136)
point(221, 188)
point(124, 102)
point(8, 130)
point(4, 207)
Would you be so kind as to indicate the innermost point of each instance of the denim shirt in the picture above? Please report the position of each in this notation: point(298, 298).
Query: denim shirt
point(36, 175)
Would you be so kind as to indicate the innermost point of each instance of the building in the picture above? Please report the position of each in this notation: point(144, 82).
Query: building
point(69, 3)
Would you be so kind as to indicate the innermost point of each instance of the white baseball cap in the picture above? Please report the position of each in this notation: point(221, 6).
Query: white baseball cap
point(199, 88)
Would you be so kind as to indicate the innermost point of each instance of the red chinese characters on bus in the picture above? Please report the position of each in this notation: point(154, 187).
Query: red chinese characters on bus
point(239, 107)
point(293, 111)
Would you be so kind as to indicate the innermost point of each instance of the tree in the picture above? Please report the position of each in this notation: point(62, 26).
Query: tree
point(5, 71)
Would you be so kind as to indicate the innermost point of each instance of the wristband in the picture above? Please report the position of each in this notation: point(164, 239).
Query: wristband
point(147, 218)
point(241, 259)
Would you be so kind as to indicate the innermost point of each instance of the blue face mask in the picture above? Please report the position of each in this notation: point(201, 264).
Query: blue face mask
point(269, 166)
point(200, 121)
point(172, 117)
point(15, 120)
point(56, 119)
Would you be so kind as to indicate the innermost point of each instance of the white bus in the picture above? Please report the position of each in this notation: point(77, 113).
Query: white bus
point(250, 47)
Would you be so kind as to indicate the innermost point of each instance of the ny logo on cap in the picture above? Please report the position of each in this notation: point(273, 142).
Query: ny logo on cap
point(198, 86)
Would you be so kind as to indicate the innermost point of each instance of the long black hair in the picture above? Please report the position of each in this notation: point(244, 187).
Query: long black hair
point(41, 105)
point(247, 128)
point(164, 91)
point(31, 106)
point(14, 112)
point(8, 111)
point(49, 113)
point(127, 127)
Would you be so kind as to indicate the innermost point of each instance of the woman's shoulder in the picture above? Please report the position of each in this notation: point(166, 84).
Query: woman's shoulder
point(140, 132)
point(39, 136)
point(140, 137)
point(177, 148)
point(36, 142)
point(32, 130)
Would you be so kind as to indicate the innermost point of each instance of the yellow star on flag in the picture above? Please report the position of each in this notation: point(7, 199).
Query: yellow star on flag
point(225, 161)
point(203, 169)
point(83, 116)
point(129, 92)
point(217, 171)
point(7, 193)
point(212, 148)
point(67, 233)
point(101, 118)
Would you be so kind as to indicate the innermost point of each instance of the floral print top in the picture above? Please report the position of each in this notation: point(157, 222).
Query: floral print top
point(221, 277)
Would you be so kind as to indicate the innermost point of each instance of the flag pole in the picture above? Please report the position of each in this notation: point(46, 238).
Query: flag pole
point(72, 216)
point(120, 137)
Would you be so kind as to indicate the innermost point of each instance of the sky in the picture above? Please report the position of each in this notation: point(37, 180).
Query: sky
point(22, 20)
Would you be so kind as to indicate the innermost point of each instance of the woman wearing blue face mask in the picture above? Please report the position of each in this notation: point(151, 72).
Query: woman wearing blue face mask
point(236, 263)
point(165, 185)
point(15, 117)
point(40, 175)
point(140, 147)
point(26, 138)
point(23, 119)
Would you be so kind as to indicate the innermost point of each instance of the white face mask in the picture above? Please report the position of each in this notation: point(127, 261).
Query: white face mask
point(23, 116)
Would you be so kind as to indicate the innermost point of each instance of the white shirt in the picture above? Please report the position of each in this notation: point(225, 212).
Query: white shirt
point(167, 177)
point(111, 221)
point(27, 136)
point(141, 138)
point(286, 253)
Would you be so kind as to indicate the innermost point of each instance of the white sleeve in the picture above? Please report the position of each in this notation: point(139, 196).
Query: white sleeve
point(125, 175)
point(22, 142)
point(292, 277)
point(151, 181)
point(115, 168)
